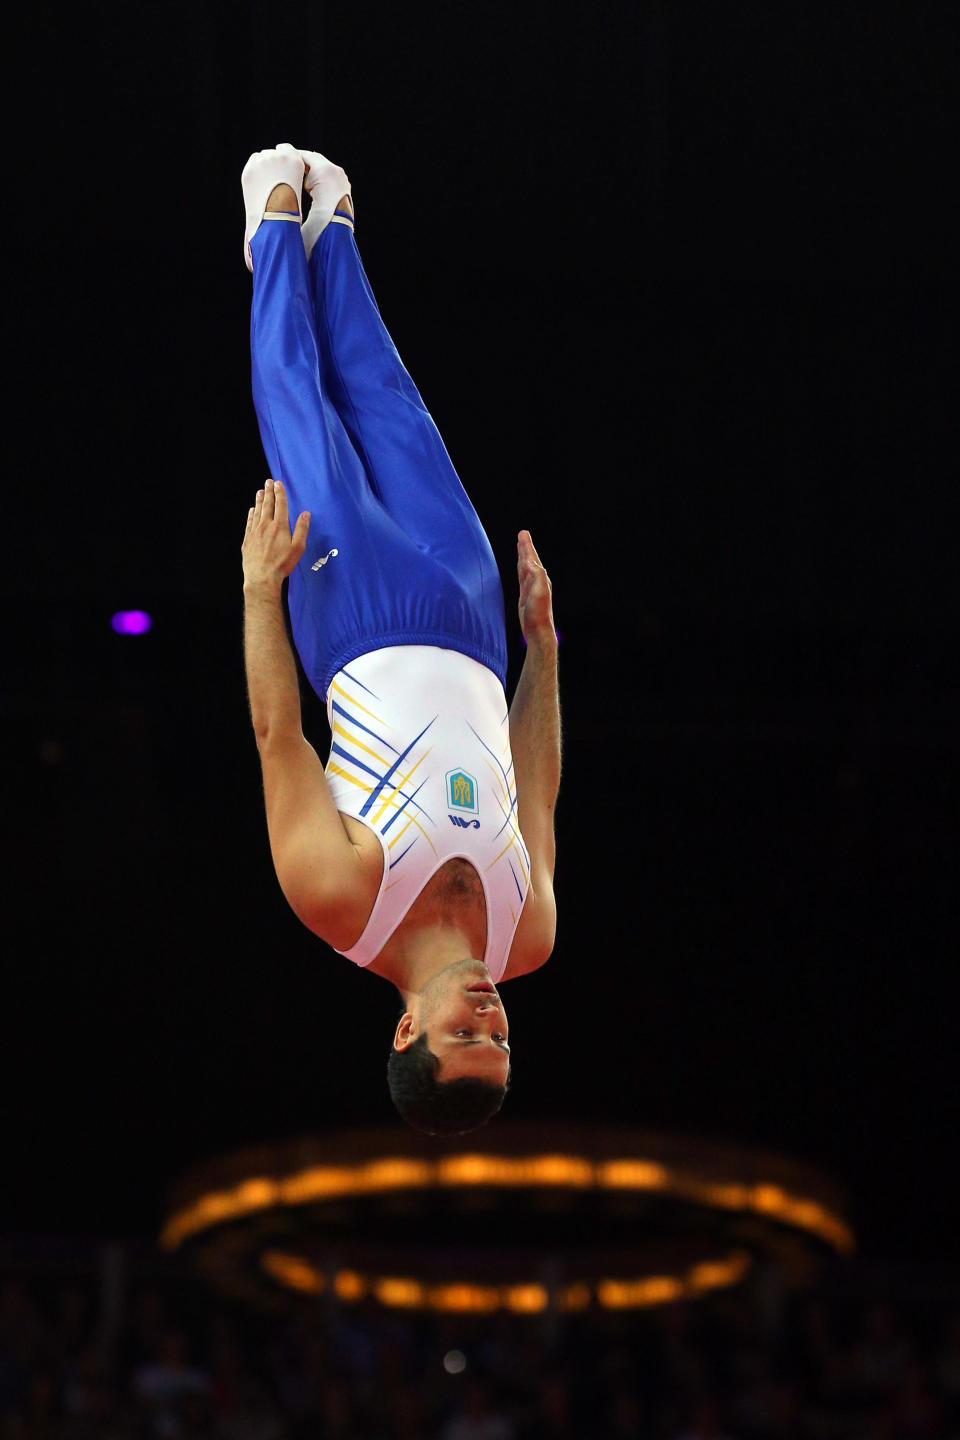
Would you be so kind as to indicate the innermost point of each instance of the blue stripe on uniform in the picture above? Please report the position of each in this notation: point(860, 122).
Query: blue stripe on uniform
point(397, 813)
point(513, 798)
point(354, 681)
point(403, 852)
point(372, 799)
point(339, 710)
point(516, 882)
point(336, 749)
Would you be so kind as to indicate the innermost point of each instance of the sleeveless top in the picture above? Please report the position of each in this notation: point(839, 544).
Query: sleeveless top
point(420, 753)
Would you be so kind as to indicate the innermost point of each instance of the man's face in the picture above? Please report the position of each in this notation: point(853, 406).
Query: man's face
point(466, 1025)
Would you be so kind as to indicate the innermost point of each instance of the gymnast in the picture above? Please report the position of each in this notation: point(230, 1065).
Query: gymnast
point(424, 851)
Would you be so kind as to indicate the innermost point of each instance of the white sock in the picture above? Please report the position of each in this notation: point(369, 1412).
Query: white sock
point(326, 184)
point(262, 173)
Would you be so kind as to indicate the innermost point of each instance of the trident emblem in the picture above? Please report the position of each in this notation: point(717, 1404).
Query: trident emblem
point(319, 564)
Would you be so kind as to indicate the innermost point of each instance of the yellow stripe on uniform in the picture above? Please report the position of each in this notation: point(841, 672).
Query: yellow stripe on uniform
point(502, 853)
point(508, 816)
point(412, 820)
point(402, 781)
point(340, 691)
point(521, 855)
point(333, 769)
point(339, 730)
point(499, 779)
point(362, 785)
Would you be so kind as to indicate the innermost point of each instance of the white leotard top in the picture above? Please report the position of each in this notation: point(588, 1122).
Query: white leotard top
point(421, 754)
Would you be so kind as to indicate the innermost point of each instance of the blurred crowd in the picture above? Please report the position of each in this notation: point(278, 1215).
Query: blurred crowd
point(174, 1360)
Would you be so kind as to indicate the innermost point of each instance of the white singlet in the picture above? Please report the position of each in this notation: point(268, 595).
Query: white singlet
point(421, 754)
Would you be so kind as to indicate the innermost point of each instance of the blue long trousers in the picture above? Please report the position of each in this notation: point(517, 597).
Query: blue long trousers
point(405, 557)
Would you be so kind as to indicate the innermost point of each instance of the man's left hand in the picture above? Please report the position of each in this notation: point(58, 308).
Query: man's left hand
point(536, 592)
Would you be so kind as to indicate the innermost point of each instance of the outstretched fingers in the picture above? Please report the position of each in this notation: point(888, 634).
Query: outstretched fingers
point(298, 539)
point(279, 502)
point(527, 557)
point(298, 542)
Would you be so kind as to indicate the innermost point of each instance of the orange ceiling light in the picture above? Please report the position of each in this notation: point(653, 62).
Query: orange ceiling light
point(317, 1183)
point(528, 1298)
point(525, 1218)
point(294, 1272)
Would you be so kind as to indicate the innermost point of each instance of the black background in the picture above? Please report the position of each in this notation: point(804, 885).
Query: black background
point(677, 284)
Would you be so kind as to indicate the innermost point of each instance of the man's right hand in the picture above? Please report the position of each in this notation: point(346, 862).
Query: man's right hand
point(269, 551)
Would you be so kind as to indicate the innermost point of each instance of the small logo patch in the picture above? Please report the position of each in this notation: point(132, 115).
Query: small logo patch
point(461, 791)
point(463, 824)
point(319, 564)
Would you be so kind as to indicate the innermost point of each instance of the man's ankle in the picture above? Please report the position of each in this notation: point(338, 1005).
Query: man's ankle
point(282, 198)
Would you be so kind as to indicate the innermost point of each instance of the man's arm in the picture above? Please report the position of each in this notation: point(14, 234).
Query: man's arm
point(318, 868)
point(535, 746)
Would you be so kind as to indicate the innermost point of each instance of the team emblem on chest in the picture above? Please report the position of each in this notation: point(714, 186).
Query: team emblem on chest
point(462, 791)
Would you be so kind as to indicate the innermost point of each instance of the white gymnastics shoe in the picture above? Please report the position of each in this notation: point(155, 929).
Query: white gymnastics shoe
point(264, 170)
point(326, 185)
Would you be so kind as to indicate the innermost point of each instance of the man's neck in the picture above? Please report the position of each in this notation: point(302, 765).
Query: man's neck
point(447, 922)
point(417, 955)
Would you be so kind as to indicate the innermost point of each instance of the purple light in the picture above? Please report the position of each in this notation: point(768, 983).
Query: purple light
point(131, 622)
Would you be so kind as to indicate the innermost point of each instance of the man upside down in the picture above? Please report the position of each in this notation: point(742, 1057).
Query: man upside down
point(424, 851)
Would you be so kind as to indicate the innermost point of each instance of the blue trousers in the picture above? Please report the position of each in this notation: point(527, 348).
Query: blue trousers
point(406, 559)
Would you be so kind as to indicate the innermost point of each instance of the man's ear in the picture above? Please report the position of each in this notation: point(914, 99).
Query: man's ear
point(406, 1031)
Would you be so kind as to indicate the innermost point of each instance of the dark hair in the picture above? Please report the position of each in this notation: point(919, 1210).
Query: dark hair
point(439, 1107)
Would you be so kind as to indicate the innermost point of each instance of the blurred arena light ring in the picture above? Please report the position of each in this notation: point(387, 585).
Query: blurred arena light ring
point(610, 1216)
